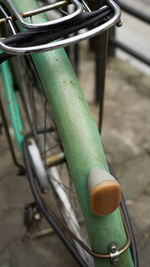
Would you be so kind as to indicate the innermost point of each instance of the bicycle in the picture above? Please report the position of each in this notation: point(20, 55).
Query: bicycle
point(54, 90)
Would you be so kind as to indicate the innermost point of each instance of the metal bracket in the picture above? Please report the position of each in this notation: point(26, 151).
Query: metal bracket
point(114, 253)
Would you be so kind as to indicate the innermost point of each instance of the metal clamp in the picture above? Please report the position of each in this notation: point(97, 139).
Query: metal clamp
point(114, 253)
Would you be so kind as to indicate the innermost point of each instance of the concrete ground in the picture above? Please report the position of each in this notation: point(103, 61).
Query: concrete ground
point(135, 34)
point(126, 140)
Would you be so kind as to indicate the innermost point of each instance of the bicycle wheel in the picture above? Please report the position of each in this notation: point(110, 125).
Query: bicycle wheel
point(46, 152)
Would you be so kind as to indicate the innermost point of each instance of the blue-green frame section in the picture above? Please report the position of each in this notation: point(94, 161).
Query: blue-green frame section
point(12, 102)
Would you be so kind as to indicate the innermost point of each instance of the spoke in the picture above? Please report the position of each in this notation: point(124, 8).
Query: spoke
point(49, 149)
point(62, 185)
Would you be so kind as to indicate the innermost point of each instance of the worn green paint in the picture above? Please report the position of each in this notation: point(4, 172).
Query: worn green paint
point(80, 139)
point(82, 145)
point(12, 102)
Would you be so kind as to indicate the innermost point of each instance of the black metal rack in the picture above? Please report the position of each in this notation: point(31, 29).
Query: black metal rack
point(138, 15)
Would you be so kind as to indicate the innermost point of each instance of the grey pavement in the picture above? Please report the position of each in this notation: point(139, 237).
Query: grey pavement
point(135, 34)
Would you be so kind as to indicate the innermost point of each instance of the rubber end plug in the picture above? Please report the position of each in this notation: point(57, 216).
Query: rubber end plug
point(105, 197)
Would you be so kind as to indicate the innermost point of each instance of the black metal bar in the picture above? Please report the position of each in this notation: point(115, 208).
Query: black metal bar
point(134, 12)
point(111, 48)
point(76, 59)
point(21, 170)
point(130, 51)
point(67, 49)
point(101, 60)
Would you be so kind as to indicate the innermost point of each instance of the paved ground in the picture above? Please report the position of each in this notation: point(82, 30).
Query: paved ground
point(126, 140)
point(135, 34)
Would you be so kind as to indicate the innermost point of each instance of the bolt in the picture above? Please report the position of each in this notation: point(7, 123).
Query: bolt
point(113, 248)
point(115, 261)
point(119, 23)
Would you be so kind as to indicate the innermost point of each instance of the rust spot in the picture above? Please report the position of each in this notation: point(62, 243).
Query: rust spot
point(72, 83)
point(81, 98)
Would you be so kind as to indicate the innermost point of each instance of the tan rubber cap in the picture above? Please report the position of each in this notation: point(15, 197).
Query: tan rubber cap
point(105, 197)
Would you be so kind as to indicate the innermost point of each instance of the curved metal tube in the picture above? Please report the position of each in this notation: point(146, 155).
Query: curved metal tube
point(68, 41)
point(26, 25)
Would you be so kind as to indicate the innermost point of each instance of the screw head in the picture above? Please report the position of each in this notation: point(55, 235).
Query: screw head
point(119, 23)
point(115, 261)
point(113, 248)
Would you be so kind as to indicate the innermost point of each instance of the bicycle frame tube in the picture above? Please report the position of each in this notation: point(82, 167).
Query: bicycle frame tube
point(81, 142)
point(82, 146)
point(13, 106)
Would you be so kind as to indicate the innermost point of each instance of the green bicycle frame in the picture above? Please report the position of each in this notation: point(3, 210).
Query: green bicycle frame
point(12, 102)
point(81, 142)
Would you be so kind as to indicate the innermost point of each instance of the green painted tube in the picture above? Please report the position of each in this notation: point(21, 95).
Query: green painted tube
point(12, 102)
point(81, 142)
point(82, 146)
